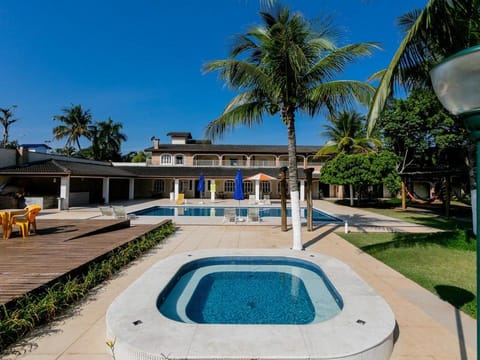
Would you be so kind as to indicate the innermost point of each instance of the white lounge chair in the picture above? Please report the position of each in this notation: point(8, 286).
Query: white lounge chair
point(253, 215)
point(106, 211)
point(266, 200)
point(120, 213)
point(229, 215)
point(251, 200)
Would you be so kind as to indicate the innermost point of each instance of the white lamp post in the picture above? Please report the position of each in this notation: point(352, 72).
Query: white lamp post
point(456, 82)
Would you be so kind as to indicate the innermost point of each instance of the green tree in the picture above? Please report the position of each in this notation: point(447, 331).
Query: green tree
point(420, 131)
point(347, 134)
point(440, 29)
point(76, 122)
point(140, 156)
point(106, 137)
point(361, 170)
point(6, 119)
point(284, 66)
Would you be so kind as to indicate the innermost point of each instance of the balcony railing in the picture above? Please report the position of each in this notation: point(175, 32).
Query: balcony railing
point(263, 163)
point(206, 162)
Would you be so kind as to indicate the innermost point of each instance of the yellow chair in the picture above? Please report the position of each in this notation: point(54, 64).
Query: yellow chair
point(20, 219)
point(33, 210)
point(4, 224)
point(181, 199)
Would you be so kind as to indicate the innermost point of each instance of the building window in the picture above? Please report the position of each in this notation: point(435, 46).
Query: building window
point(178, 159)
point(166, 159)
point(158, 186)
point(229, 186)
point(265, 187)
point(248, 187)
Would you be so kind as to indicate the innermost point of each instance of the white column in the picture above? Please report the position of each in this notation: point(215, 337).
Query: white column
point(302, 190)
point(65, 192)
point(106, 189)
point(213, 190)
point(257, 190)
point(131, 189)
point(176, 187)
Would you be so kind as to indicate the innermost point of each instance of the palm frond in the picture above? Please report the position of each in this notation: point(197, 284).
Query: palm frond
point(339, 94)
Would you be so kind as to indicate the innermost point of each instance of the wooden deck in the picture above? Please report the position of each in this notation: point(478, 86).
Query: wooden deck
point(60, 246)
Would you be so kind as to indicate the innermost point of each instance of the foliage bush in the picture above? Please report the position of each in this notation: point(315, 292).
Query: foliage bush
point(22, 315)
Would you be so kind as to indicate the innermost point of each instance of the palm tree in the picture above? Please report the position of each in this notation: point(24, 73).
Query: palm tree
point(107, 139)
point(6, 120)
point(442, 28)
point(285, 67)
point(76, 123)
point(347, 134)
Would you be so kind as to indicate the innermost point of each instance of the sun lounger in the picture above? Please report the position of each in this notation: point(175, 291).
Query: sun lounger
point(106, 211)
point(253, 215)
point(251, 200)
point(266, 200)
point(229, 215)
point(120, 213)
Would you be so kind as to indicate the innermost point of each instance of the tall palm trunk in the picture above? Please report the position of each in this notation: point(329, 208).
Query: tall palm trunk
point(5, 137)
point(293, 181)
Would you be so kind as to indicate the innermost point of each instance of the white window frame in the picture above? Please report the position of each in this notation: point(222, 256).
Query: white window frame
point(166, 159)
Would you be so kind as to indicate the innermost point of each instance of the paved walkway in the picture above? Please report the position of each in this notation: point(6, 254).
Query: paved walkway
point(428, 328)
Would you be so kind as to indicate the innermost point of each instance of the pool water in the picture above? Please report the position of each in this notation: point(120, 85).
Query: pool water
point(249, 291)
point(318, 216)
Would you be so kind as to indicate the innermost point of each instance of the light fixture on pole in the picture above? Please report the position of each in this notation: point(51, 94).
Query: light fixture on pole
point(456, 82)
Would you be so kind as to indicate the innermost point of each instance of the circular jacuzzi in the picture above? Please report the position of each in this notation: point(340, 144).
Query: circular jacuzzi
point(244, 304)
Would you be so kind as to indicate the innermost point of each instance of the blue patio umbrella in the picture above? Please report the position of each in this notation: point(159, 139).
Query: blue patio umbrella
point(238, 193)
point(201, 185)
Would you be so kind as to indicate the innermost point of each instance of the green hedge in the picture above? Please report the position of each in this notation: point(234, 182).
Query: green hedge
point(20, 316)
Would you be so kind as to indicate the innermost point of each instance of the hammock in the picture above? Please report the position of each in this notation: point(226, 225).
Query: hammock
point(414, 197)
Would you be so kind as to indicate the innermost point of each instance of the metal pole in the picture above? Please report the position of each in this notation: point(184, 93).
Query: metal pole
point(477, 237)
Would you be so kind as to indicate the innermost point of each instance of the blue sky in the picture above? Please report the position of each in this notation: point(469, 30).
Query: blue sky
point(140, 62)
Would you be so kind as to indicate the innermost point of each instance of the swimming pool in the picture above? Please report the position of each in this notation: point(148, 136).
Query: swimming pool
point(249, 290)
point(363, 329)
point(318, 215)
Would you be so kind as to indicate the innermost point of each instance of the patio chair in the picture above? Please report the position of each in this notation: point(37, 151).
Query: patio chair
point(33, 210)
point(20, 219)
point(253, 215)
point(106, 211)
point(120, 213)
point(251, 200)
point(180, 199)
point(4, 224)
point(266, 200)
point(229, 215)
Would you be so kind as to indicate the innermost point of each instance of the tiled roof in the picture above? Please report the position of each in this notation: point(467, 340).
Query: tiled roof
point(241, 149)
point(62, 168)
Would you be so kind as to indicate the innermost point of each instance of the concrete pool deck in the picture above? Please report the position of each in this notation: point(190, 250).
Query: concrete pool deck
point(428, 328)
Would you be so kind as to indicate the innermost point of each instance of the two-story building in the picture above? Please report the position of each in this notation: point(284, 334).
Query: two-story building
point(176, 167)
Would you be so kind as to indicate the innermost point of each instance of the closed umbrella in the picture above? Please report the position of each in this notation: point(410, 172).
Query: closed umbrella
point(201, 186)
point(238, 193)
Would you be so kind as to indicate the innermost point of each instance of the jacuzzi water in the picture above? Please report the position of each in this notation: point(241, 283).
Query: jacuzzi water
point(249, 290)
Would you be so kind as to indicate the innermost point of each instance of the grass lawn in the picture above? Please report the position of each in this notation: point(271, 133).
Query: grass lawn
point(444, 263)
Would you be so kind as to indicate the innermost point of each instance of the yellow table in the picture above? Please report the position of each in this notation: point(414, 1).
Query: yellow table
point(6, 215)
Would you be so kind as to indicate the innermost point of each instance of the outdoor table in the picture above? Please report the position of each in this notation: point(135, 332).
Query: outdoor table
point(6, 215)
